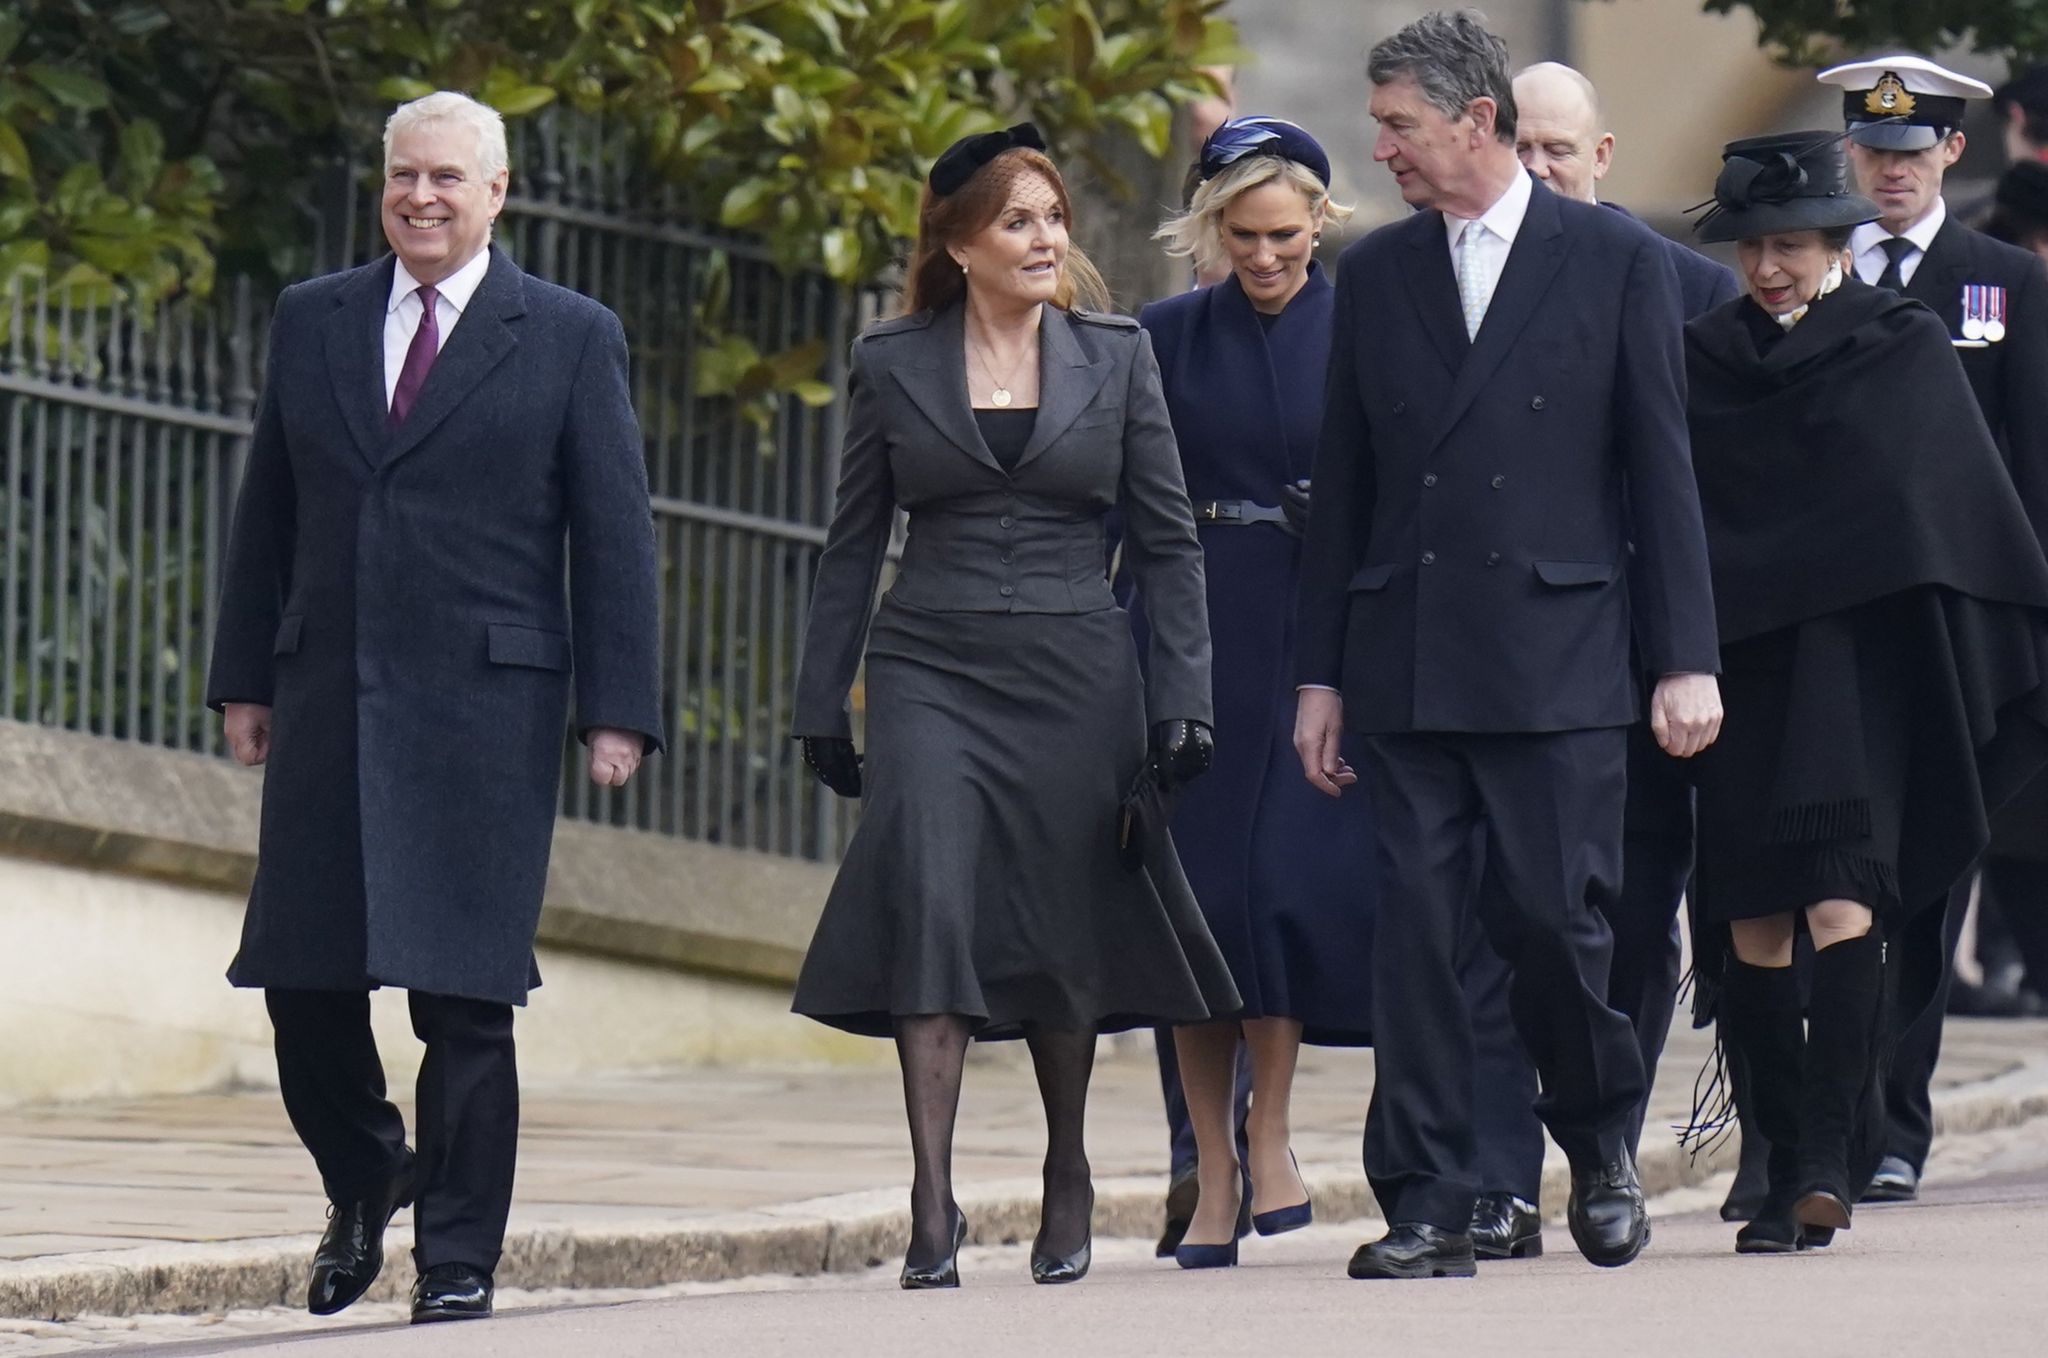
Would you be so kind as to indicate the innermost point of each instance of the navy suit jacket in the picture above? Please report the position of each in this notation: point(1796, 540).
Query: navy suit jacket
point(1475, 501)
point(1703, 283)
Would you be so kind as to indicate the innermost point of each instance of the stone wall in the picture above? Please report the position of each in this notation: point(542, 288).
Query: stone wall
point(122, 874)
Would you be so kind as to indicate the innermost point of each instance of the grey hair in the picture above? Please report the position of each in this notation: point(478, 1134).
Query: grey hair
point(1197, 231)
point(1454, 59)
point(447, 106)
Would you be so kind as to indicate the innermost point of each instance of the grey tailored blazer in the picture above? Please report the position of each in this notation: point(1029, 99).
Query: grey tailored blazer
point(985, 541)
point(416, 605)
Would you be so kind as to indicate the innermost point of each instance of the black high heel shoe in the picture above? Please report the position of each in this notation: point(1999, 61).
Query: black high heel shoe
point(1072, 1268)
point(943, 1272)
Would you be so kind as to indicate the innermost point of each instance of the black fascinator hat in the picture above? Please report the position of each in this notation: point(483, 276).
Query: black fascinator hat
point(1788, 181)
point(958, 162)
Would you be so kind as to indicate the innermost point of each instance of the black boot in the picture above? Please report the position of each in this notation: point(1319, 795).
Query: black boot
point(1839, 1100)
point(1760, 1023)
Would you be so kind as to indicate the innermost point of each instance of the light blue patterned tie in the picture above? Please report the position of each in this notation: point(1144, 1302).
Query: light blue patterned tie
point(1471, 277)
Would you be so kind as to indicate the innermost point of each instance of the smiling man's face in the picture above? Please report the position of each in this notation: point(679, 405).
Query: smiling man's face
point(438, 202)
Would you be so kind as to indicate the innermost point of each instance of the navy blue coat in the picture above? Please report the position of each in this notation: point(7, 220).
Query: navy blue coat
point(1703, 283)
point(1283, 873)
point(1475, 501)
point(397, 598)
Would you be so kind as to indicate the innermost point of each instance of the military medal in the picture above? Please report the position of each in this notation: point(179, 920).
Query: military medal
point(1983, 313)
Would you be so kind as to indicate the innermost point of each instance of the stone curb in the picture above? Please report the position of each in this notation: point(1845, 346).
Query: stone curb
point(849, 1232)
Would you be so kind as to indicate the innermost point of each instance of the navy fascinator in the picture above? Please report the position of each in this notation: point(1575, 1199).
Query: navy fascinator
point(1261, 136)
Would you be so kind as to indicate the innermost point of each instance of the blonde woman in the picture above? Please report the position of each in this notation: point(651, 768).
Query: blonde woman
point(1277, 868)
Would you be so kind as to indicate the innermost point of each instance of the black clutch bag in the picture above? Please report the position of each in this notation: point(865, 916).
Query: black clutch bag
point(1141, 818)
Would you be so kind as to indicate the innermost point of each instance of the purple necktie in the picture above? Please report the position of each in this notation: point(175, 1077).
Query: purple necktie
point(419, 358)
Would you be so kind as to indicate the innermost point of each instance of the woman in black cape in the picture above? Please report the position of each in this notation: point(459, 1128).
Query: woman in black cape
point(1883, 610)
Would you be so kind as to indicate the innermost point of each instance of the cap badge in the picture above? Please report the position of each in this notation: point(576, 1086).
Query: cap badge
point(1889, 98)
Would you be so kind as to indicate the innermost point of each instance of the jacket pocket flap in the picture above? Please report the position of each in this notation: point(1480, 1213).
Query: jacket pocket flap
point(1373, 577)
point(1574, 572)
point(512, 644)
point(287, 634)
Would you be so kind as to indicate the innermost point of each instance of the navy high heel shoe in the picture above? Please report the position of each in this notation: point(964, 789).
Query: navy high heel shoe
point(942, 1272)
point(1283, 1219)
point(1212, 1256)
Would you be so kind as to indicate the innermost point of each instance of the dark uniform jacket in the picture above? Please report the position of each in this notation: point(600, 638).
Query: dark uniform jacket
point(2009, 377)
point(981, 540)
point(397, 598)
point(1475, 501)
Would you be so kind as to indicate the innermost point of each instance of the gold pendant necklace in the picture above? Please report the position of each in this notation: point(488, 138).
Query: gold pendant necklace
point(1001, 395)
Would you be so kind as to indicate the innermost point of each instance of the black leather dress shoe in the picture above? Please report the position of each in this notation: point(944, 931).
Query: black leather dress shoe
point(1506, 1227)
point(1411, 1249)
point(351, 1252)
point(1608, 1219)
point(1895, 1181)
point(451, 1292)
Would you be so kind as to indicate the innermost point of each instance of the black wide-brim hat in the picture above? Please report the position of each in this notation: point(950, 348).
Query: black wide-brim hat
point(1788, 181)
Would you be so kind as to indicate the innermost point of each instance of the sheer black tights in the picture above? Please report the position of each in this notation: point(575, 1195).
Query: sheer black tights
point(933, 1050)
point(1064, 1060)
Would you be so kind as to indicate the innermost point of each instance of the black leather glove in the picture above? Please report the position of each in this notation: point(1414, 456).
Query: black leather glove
point(1182, 751)
point(1294, 504)
point(836, 763)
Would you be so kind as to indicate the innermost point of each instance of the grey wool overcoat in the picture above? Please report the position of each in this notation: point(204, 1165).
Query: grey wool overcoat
point(412, 603)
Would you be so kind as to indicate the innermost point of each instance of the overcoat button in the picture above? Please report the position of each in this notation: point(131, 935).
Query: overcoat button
point(1400, 407)
point(1006, 591)
point(1429, 479)
point(1499, 481)
point(1536, 404)
point(1429, 558)
point(1009, 522)
point(1493, 558)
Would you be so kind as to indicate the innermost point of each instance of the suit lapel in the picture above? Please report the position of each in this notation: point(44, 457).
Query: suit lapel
point(1067, 382)
point(1433, 287)
point(937, 383)
point(478, 343)
point(1533, 261)
point(353, 339)
point(1938, 282)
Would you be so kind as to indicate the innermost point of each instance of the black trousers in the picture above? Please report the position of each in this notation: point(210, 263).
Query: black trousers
point(1642, 982)
point(1544, 812)
point(1926, 970)
point(468, 1111)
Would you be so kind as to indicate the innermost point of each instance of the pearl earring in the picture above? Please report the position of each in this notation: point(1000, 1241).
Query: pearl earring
point(963, 268)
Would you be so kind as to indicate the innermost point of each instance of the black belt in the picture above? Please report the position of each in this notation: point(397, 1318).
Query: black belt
point(1238, 511)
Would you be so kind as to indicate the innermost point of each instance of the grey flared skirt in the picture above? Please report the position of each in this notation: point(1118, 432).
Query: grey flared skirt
point(983, 879)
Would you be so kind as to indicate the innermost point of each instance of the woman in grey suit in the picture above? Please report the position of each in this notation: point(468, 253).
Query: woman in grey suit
point(984, 893)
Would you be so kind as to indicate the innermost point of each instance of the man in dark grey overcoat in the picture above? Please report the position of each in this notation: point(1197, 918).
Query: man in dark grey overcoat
point(442, 441)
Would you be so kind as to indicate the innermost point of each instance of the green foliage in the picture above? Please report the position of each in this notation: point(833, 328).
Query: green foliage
point(1810, 32)
point(143, 143)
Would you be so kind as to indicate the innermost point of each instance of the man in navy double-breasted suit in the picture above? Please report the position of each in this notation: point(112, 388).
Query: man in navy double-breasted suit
point(444, 462)
point(1505, 416)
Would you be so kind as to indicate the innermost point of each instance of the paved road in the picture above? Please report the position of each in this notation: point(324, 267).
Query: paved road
point(1965, 1271)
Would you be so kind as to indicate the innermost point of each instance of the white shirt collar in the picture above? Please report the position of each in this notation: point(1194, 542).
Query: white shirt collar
point(1870, 235)
point(456, 289)
point(1504, 218)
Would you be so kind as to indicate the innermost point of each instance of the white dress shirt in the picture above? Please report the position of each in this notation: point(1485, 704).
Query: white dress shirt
point(1866, 245)
point(1503, 221)
point(402, 314)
